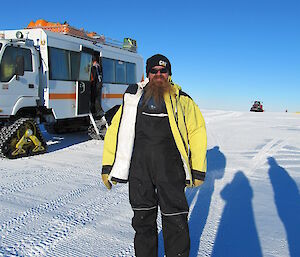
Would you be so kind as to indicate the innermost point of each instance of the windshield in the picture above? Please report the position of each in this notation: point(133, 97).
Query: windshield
point(0, 45)
point(9, 61)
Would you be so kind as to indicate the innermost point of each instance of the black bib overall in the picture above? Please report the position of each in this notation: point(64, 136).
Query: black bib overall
point(157, 177)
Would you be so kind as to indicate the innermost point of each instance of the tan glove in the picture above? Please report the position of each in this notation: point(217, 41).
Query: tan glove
point(198, 178)
point(106, 182)
point(197, 182)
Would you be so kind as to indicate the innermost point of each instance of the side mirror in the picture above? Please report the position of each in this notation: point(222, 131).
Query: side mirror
point(19, 65)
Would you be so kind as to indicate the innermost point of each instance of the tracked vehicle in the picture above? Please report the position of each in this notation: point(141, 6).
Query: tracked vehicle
point(45, 73)
point(257, 107)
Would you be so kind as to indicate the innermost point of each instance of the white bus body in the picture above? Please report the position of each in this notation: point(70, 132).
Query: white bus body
point(56, 78)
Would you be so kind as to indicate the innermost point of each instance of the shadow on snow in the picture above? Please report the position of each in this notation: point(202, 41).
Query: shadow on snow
point(287, 200)
point(57, 142)
point(216, 163)
point(237, 235)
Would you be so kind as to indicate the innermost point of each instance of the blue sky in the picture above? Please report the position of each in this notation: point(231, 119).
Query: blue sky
point(225, 54)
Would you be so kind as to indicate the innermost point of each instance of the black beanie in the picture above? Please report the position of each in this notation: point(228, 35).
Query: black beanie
point(158, 60)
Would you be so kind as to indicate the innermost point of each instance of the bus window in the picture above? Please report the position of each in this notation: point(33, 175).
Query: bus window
point(59, 64)
point(120, 72)
point(69, 65)
point(75, 65)
point(85, 66)
point(131, 73)
point(27, 58)
point(108, 67)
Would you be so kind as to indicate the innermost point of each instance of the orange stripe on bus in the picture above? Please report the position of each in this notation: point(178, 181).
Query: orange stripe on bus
point(56, 96)
point(112, 95)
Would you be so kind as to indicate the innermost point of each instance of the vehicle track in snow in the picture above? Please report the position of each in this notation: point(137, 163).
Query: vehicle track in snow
point(39, 179)
point(85, 213)
point(40, 176)
point(9, 229)
point(34, 213)
point(61, 226)
point(19, 191)
point(268, 150)
point(14, 174)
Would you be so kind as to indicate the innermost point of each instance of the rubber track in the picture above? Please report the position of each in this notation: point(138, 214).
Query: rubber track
point(10, 131)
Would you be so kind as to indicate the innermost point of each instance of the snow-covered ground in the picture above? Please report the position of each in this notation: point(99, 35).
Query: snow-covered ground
point(55, 204)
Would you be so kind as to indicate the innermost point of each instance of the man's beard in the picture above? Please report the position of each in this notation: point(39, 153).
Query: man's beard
point(156, 89)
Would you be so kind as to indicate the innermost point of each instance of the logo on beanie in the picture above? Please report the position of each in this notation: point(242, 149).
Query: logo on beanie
point(162, 63)
point(156, 60)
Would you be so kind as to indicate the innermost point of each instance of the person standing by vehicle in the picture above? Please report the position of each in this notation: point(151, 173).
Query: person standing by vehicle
point(96, 87)
point(157, 141)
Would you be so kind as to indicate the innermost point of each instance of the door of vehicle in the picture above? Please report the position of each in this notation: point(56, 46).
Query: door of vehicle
point(83, 84)
point(17, 88)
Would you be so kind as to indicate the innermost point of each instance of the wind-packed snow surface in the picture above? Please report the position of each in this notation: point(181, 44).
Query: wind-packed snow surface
point(56, 205)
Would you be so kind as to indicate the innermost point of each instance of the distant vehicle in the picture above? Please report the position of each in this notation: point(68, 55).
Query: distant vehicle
point(257, 107)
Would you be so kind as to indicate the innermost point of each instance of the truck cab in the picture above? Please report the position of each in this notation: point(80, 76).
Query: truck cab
point(19, 76)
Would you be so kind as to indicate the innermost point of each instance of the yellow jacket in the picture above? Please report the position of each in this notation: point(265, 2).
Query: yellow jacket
point(187, 125)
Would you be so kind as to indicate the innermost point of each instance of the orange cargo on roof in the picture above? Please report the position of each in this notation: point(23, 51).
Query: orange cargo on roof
point(65, 29)
point(42, 23)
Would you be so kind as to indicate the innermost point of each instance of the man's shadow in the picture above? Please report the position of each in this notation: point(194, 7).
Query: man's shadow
point(237, 235)
point(216, 163)
point(287, 200)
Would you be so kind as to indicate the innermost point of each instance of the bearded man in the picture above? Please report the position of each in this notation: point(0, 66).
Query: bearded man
point(157, 142)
